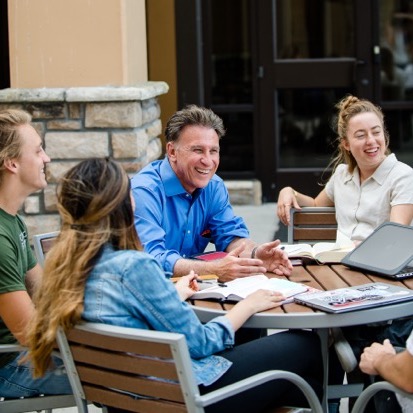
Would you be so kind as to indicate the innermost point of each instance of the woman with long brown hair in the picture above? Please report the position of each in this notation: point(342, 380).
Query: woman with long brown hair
point(97, 272)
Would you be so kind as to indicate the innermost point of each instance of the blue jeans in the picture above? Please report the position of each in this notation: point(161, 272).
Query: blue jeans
point(16, 379)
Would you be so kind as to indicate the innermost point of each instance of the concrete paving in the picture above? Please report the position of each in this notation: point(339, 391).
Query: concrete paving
point(261, 220)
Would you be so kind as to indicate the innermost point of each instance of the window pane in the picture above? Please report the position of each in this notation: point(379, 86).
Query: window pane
point(309, 29)
point(306, 122)
point(236, 146)
point(231, 52)
point(396, 50)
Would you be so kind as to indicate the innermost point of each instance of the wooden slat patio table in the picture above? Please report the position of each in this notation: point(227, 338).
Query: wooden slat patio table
point(293, 315)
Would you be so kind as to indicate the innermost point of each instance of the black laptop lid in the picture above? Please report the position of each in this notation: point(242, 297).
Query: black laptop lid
point(386, 251)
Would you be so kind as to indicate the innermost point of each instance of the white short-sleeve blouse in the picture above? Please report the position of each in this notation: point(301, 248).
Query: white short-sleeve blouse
point(360, 209)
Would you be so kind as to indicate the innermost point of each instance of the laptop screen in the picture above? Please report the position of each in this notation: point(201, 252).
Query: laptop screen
point(386, 251)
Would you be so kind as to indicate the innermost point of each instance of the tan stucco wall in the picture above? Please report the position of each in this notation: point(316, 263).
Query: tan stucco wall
point(61, 43)
point(162, 52)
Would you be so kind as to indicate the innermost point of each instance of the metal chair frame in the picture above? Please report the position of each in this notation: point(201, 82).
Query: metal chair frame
point(370, 391)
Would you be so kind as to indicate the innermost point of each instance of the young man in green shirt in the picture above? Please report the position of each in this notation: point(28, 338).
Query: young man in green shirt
point(22, 162)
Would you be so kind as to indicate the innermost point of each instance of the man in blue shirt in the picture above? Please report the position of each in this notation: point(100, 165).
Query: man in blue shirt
point(181, 206)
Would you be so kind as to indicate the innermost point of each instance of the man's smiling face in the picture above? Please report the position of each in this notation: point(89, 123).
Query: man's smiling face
point(194, 157)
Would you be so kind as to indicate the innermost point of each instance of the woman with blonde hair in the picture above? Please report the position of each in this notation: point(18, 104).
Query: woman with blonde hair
point(368, 187)
point(97, 272)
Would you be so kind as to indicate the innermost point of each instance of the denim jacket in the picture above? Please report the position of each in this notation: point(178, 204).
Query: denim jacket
point(129, 288)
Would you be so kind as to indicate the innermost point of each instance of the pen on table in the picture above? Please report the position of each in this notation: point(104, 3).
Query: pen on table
point(206, 282)
point(200, 277)
point(212, 282)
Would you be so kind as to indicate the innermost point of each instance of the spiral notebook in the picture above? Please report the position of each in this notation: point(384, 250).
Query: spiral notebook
point(387, 252)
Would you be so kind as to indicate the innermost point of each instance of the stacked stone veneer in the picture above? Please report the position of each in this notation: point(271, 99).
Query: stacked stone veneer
point(77, 123)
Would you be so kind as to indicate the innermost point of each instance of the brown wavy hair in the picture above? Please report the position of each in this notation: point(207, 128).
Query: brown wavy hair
point(349, 107)
point(95, 207)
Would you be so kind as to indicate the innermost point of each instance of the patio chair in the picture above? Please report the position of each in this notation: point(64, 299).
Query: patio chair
point(42, 244)
point(310, 225)
point(29, 404)
point(370, 391)
point(109, 365)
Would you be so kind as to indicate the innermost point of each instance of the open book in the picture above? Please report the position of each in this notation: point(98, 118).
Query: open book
point(238, 289)
point(354, 298)
point(322, 251)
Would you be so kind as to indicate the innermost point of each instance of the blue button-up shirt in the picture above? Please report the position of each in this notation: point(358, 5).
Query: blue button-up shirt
point(129, 288)
point(174, 224)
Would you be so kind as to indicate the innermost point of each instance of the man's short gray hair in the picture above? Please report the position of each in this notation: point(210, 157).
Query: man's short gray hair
point(196, 116)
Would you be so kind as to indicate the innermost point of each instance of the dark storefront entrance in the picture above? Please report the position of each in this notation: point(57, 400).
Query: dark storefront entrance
point(273, 69)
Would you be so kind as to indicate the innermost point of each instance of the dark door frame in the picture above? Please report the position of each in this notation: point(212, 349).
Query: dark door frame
point(357, 71)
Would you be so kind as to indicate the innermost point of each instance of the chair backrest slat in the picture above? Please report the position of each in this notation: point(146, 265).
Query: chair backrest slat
point(143, 385)
point(314, 234)
point(161, 350)
point(124, 362)
point(110, 397)
point(315, 218)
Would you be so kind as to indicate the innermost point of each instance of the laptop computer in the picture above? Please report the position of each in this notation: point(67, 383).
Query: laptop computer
point(355, 298)
point(388, 252)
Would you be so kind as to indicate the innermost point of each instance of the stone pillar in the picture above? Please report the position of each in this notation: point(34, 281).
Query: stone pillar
point(77, 123)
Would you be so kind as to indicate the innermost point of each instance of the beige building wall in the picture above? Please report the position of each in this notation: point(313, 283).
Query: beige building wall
point(162, 52)
point(61, 43)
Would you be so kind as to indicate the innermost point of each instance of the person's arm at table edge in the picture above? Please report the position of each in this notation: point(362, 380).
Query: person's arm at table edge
point(395, 368)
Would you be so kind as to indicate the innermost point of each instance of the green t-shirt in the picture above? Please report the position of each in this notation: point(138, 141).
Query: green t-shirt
point(16, 258)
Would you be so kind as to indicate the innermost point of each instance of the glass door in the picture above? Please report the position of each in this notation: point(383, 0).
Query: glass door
point(227, 70)
point(313, 53)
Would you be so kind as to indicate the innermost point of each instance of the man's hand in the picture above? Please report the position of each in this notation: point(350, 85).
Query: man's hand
point(234, 266)
point(274, 259)
point(238, 262)
point(374, 353)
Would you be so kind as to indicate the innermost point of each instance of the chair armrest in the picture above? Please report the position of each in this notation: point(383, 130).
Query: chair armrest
point(371, 390)
point(10, 348)
point(256, 380)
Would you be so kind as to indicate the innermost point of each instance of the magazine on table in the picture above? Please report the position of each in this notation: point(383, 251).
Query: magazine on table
point(355, 298)
point(239, 288)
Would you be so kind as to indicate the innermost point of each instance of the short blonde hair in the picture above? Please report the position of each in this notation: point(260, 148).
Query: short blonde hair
point(10, 139)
